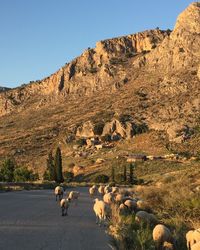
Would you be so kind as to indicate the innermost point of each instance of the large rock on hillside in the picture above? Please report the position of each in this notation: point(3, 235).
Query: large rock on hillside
point(115, 127)
point(86, 130)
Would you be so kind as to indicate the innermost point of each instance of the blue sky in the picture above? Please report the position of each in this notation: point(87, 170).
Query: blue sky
point(39, 36)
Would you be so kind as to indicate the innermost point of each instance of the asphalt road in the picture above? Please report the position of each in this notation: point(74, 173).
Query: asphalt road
point(31, 220)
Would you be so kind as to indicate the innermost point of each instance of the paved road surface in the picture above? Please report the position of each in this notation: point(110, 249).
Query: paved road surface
point(31, 220)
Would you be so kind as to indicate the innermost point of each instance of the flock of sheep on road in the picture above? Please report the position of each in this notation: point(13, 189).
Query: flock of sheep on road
point(125, 202)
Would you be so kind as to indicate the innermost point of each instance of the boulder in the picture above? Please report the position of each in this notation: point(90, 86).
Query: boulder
point(86, 130)
point(117, 129)
point(77, 170)
point(99, 161)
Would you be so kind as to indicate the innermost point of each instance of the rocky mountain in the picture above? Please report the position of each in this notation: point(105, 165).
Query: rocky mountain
point(3, 89)
point(152, 76)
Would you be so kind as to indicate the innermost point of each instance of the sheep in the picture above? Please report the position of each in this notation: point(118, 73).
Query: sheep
point(59, 192)
point(115, 190)
point(189, 239)
point(119, 198)
point(64, 204)
point(196, 246)
point(123, 209)
point(192, 237)
point(92, 191)
point(107, 189)
point(131, 204)
point(101, 211)
point(168, 246)
point(73, 195)
point(101, 190)
point(142, 205)
point(125, 198)
point(162, 234)
point(108, 198)
point(143, 216)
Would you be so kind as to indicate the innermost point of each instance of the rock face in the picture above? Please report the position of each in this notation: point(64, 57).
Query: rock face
point(86, 130)
point(153, 76)
point(115, 128)
point(88, 73)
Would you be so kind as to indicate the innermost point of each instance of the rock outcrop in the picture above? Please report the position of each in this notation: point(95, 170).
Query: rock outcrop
point(116, 128)
point(94, 70)
point(86, 130)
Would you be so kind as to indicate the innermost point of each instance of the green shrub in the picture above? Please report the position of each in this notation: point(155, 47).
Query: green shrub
point(119, 178)
point(81, 142)
point(7, 170)
point(68, 176)
point(46, 176)
point(106, 138)
point(23, 174)
point(93, 70)
point(98, 128)
point(102, 178)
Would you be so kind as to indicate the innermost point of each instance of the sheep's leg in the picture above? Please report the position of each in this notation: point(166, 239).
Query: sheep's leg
point(56, 197)
point(63, 211)
point(100, 220)
point(97, 219)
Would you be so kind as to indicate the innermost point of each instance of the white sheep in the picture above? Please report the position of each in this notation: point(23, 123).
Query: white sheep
point(123, 209)
point(115, 190)
point(192, 237)
point(108, 198)
point(64, 204)
point(142, 205)
point(101, 189)
point(196, 246)
point(125, 198)
point(59, 191)
point(107, 189)
point(73, 196)
point(143, 216)
point(92, 191)
point(131, 204)
point(101, 211)
point(119, 198)
point(162, 234)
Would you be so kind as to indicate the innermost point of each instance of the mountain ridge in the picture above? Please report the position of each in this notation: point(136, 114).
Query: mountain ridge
point(153, 76)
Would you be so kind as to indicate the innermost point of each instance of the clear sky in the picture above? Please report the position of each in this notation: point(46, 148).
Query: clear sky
point(37, 37)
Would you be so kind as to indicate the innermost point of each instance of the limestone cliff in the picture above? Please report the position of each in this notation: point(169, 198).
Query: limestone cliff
point(94, 70)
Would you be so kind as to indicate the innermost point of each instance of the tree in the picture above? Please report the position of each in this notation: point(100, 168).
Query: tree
point(112, 174)
point(7, 170)
point(125, 173)
point(58, 165)
point(51, 172)
point(131, 177)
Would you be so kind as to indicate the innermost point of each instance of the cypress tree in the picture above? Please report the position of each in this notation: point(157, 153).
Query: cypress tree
point(131, 173)
point(125, 173)
point(58, 165)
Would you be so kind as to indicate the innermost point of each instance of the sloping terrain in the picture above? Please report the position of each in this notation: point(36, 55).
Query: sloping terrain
point(153, 76)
